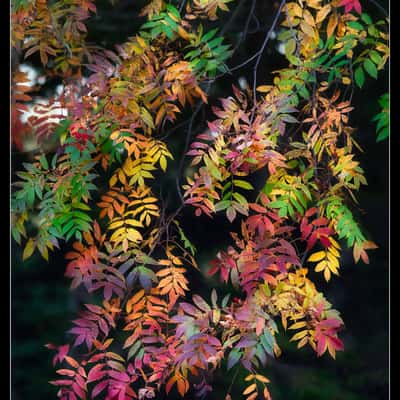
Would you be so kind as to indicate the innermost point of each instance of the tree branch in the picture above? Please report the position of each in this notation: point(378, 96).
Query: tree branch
point(267, 37)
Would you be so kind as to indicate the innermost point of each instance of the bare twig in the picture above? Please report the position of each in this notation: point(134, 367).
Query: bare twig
point(232, 18)
point(257, 28)
point(246, 27)
point(377, 5)
point(183, 2)
point(267, 37)
point(175, 128)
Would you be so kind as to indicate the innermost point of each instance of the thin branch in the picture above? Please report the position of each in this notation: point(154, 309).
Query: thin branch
point(232, 18)
point(182, 5)
point(267, 37)
point(246, 27)
point(236, 67)
point(175, 128)
point(257, 28)
point(242, 37)
point(381, 8)
point(244, 62)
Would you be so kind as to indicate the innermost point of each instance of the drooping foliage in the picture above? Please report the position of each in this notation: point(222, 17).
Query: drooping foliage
point(150, 331)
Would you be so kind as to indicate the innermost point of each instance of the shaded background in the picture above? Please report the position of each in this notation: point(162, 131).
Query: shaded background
point(43, 305)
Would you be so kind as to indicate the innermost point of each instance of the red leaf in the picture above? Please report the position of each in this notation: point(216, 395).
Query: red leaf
point(67, 372)
point(350, 4)
point(321, 345)
point(96, 373)
point(99, 388)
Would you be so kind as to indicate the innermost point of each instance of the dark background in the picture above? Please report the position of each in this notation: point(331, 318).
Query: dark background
point(43, 305)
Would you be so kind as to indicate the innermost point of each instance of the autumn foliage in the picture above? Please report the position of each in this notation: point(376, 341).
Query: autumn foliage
point(150, 331)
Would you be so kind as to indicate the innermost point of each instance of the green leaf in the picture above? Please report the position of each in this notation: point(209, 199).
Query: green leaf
point(355, 25)
point(68, 226)
point(267, 340)
point(173, 11)
point(215, 42)
point(233, 358)
point(331, 76)
point(168, 31)
point(240, 198)
point(242, 184)
point(383, 121)
point(375, 57)
point(366, 18)
point(209, 35)
point(222, 205)
point(43, 162)
point(383, 134)
point(297, 205)
point(277, 204)
point(186, 242)
point(193, 54)
point(372, 31)
point(283, 212)
point(30, 196)
point(304, 93)
point(290, 209)
point(370, 67)
point(225, 300)
point(212, 168)
point(133, 350)
point(359, 77)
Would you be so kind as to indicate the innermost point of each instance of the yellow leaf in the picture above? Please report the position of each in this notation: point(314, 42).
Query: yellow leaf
point(333, 260)
point(299, 335)
point(334, 251)
point(43, 251)
point(29, 247)
point(322, 13)
point(134, 299)
point(133, 222)
point(183, 34)
point(116, 224)
point(346, 80)
point(250, 389)
point(141, 42)
point(163, 163)
point(119, 232)
point(327, 274)
point(114, 135)
point(262, 378)
point(332, 23)
point(298, 325)
point(267, 395)
point(133, 235)
point(319, 255)
point(335, 243)
point(264, 88)
point(147, 118)
point(302, 342)
point(295, 10)
point(321, 266)
point(113, 180)
point(277, 350)
point(150, 199)
point(308, 18)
